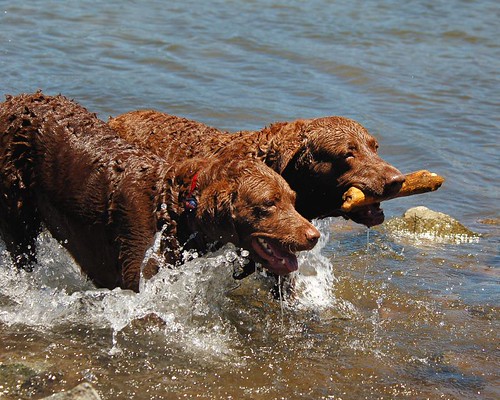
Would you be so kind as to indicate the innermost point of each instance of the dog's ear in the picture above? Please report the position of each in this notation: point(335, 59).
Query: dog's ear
point(286, 140)
point(215, 211)
point(303, 157)
point(190, 166)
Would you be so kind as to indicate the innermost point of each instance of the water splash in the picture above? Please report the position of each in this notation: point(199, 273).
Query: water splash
point(190, 303)
point(185, 302)
point(313, 285)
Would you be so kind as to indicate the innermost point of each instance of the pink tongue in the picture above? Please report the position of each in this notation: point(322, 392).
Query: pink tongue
point(279, 260)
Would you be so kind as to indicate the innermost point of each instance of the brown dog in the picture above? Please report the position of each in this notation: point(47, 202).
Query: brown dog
point(106, 200)
point(319, 158)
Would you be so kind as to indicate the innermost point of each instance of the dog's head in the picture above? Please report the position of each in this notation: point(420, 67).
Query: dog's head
point(333, 154)
point(248, 204)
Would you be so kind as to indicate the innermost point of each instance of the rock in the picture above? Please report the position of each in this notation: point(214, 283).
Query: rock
point(490, 221)
point(423, 223)
point(84, 391)
point(15, 372)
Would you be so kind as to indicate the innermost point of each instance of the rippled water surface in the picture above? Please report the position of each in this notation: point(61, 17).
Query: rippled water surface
point(376, 316)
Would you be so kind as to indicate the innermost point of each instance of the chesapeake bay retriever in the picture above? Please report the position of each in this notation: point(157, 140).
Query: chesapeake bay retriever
point(107, 200)
point(319, 158)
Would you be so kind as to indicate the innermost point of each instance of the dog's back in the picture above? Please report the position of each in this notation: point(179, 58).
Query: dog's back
point(171, 137)
point(61, 166)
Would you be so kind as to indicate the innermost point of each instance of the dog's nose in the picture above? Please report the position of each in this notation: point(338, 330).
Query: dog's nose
point(312, 236)
point(393, 183)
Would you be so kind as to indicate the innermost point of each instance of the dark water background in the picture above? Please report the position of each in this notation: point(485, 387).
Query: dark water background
point(385, 317)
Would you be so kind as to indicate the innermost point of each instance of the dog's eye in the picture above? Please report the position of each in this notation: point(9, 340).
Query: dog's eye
point(269, 203)
point(266, 208)
point(260, 211)
point(350, 151)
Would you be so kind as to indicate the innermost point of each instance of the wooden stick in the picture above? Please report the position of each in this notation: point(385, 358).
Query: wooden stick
point(416, 182)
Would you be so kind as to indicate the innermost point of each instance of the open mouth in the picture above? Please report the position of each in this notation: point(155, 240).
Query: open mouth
point(276, 258)
point(369, 215)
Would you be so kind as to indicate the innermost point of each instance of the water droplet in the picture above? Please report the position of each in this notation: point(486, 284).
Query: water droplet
point(231, 256)
point(245, 253)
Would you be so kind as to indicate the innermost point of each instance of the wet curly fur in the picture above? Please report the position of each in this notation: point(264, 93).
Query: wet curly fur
point(319, 158)
point(106, 200)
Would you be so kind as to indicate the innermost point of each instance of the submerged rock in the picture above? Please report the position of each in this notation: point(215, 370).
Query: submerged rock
point(84, 391)
point(15, 372)
point(27, 378)
point(490, 221)
point(421, 222)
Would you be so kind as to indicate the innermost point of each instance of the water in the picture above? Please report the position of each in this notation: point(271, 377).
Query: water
point(400, 318)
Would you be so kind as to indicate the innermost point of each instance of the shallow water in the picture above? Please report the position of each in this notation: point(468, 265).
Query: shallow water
point(392, 316)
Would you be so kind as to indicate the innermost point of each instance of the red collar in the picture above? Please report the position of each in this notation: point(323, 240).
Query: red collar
point(191, 203)
point(194, 181)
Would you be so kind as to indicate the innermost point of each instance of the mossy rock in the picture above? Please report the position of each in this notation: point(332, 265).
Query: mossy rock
point(423, 223)
point(27, 379)
point(84, 391)
point(11, 374)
